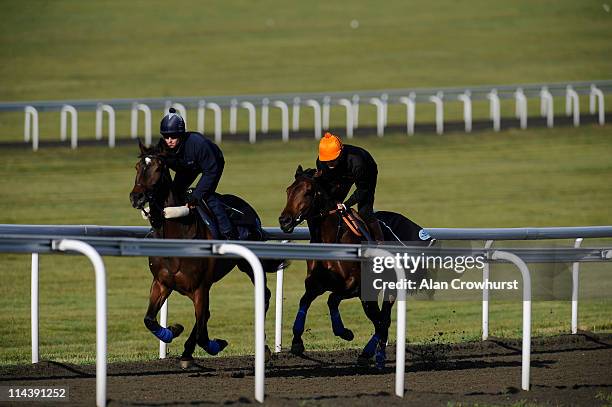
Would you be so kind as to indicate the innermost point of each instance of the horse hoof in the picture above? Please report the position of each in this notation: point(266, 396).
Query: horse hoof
point(176, 330)
point(222, 344)
point(186, 363)
point(297, 348)
point(380, 362)
point(347, 335)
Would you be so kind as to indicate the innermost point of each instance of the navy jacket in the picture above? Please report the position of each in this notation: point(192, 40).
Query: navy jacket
point(355, 166)
point(197, 155)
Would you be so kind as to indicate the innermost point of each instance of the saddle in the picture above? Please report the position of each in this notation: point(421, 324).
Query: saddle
point(242, 216)
point(355, 224)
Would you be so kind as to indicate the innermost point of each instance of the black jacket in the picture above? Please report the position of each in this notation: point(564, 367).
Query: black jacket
point(197, 155)
point(355, 166)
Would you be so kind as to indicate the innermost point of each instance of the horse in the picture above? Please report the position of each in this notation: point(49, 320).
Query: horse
point(192, 277)
point(309, 199)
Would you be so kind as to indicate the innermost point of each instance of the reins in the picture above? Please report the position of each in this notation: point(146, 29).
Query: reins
point(347, 216)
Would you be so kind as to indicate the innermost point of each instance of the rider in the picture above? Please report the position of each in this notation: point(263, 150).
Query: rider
point(343, 165)
point(196, 155)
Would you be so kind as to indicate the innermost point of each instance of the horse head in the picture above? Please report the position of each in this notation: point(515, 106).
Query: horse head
point(152, 176)
point(304, 199)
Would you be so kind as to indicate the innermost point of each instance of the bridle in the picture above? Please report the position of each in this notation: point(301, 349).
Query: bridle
point(347, 217)
point(153, 193)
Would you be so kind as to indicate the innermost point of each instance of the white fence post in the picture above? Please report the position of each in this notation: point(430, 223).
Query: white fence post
point(73, 125)
point(546, 106)
point(355, 111)
point(485, 295)
point(325, 112)
point(400, 342)
point(233, 116)
point(260, 311)
point(139, 107)
point(384, 98)
point(278, 308)
point(521, 107)
point(284, 118)
point(217, 111)
point(201, 115)
point(466, 98)
point(31, 126)
point(111, 123)
point(96, 260)
point(597, 95)
point(265, 114)
point(252, 121)
point(572, 104)
point(349, 116)
point(410, 112)
point(380, 116)
point(494, 109)
point(526, 351)
point(296, 114)
point(34, 306)
point(316, 107)
point(575, 287)
point(163, 321)
point(437, 100)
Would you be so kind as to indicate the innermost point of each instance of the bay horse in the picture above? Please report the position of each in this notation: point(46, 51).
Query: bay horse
point(308, 199)
point(192, 277)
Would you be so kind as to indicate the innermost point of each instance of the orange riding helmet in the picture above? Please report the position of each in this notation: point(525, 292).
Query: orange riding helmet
point(330, 147)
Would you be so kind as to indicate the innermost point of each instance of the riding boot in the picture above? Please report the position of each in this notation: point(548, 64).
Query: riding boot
point(366, 211)
point(225, 225)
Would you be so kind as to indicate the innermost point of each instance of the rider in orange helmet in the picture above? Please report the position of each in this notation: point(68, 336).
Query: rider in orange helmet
point(341, 167)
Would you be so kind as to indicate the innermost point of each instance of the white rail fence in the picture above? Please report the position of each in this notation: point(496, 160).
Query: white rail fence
point(321, 105)
point(31, 240)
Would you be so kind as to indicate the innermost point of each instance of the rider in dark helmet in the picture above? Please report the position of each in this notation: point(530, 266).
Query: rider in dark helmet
point(341, 167)
point(196, 155)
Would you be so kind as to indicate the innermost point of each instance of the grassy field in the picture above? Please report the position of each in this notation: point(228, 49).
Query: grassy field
point(532, 178)
point(89, 50)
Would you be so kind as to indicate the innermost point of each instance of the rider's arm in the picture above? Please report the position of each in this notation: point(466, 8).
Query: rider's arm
point(211, 171)
point(362, 188)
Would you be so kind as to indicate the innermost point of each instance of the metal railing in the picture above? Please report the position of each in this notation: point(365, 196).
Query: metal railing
point(320, 104)
point(252, 251)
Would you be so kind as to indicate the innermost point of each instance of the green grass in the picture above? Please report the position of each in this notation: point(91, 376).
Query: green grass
point(532, 178)
point(91, 50)
point(73, 49)
point(80, 50)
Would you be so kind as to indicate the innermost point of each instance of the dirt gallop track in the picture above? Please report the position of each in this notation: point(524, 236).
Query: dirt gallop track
point(565, 370)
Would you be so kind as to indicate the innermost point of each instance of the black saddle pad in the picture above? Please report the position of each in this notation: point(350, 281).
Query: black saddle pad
point(396, 226)
point(242, 215)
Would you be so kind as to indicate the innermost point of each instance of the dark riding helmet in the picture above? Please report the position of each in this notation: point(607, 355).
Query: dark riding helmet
point(172, 123)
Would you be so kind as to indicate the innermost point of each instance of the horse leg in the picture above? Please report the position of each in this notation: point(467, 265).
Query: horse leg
point(385, 323)
point(373, 313)
point(313, 290)
point(245, 267)
point(333, 302)
point(202, 313)
point(159, 293)
point(190, 344)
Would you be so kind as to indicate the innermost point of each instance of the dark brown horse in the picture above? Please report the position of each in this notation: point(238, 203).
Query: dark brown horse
point(192, 277)
point(307, 199)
